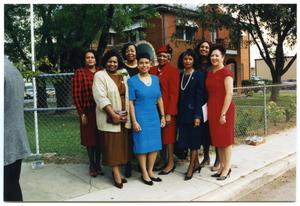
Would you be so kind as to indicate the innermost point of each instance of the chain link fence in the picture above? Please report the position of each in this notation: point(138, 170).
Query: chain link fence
point(259, 113)
point(52, 122)
point(51, 119)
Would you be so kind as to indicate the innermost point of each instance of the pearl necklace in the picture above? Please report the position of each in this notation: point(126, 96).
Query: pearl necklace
point(146, 80)
point(187, 82)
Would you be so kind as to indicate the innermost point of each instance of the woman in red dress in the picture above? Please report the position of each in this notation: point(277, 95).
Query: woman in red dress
point(85, 105)
point(221, 110)
point(169, 83)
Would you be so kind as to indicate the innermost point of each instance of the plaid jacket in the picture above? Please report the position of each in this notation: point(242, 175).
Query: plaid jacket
point(82, 92)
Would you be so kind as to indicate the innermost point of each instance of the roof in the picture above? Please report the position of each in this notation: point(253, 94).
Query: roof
point(176, 8)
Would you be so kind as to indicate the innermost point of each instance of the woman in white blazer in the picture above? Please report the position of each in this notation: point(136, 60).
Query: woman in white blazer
point(110, 92)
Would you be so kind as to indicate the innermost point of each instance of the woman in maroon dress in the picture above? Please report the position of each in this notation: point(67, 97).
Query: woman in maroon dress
point(221, 111)
point(86, 107)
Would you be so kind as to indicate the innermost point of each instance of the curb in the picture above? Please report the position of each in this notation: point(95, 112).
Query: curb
point(254, 180)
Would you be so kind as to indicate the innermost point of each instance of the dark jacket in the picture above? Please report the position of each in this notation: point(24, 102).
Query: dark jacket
point(192, 98)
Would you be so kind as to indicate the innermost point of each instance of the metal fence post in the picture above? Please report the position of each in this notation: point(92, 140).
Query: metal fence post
point(36, 131)
point(265, 111)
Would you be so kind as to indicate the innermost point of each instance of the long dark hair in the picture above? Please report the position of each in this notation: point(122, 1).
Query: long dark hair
point(200, 57)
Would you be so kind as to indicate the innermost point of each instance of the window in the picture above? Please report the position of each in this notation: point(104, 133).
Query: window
point(185, 33)
point(135, 35)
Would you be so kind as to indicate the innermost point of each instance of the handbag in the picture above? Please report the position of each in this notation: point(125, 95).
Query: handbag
point(122, 113)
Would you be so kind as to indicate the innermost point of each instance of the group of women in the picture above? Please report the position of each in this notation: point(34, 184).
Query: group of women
point(130, 107)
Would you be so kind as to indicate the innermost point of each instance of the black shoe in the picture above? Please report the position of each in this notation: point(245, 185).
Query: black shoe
point(197, 169)
point(216, 175)
point(128, 170)
point(118, 185)
point(188, 177)
point(156, 179)
point(224, 177)
point(205, 162)
point(124, 180)
point(146, 182)
point(162, 172)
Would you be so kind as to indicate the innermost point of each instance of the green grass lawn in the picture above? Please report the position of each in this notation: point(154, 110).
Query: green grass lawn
point(258, 98)
point(58, 133)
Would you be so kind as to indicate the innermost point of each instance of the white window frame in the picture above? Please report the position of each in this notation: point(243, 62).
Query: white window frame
point(185, 33)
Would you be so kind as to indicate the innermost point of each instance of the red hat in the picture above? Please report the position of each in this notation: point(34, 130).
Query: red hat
point(165, 49)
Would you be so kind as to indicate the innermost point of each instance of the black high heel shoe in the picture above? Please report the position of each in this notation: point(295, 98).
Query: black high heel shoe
point(146, 182)
point(216, 175)
point(124, 180)
point(162, 172)
point(118, 185)
point(224, 177)
point(188, 177)
point(197, 169)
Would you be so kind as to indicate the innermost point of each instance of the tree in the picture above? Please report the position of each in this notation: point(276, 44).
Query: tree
point(62, 34)
point(271, 26)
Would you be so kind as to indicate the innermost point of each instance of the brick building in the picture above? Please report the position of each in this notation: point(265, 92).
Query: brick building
point(168, 28)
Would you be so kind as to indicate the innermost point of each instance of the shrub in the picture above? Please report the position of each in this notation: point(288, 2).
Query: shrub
point(290, 109)
point(275, 113)
point(246, 119)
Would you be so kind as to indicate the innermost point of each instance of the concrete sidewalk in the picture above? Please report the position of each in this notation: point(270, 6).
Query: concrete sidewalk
point(252, 167)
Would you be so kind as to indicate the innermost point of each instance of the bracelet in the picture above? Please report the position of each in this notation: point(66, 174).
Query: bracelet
point(162, 115)
point(223, 115)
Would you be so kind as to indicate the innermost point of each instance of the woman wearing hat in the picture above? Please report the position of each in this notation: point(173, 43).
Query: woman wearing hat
point(169, 84)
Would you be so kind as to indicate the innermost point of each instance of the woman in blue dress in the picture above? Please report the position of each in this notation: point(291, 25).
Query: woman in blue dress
point(144, 96)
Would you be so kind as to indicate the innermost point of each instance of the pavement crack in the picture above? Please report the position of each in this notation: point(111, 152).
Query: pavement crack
point(90, 183)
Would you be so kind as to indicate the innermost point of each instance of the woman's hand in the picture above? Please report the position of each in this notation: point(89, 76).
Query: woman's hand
point(197, 122)
point(84, 119)
point(222, 119)
point(168, 119)
point(162, 122)
point(116, 119)
point(136, 127)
